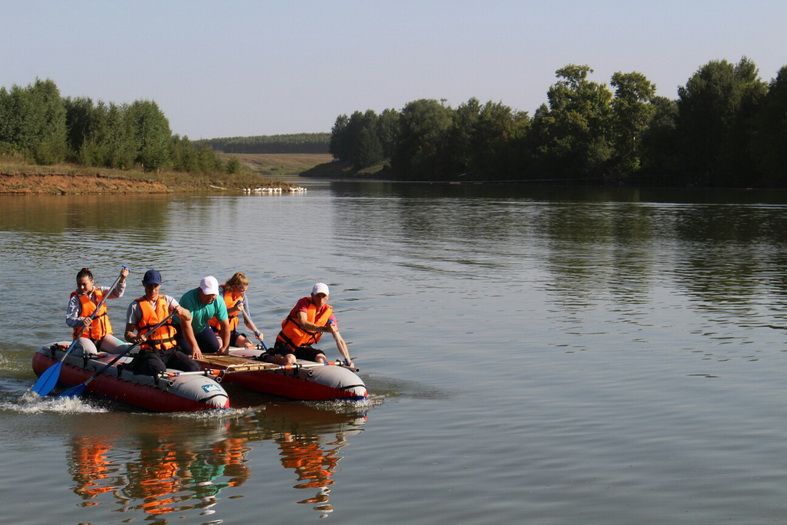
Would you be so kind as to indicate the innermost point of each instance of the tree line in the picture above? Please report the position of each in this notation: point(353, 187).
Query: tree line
point(727, 128)
point(285, 143)
point(37, 122)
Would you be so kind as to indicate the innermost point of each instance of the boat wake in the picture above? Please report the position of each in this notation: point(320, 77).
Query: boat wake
point(341, 406)
point(385, 387)
point(31, 403)
point(207, 415)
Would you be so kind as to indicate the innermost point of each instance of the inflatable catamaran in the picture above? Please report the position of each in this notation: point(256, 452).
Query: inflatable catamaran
point(176, 391)
point(306, 381)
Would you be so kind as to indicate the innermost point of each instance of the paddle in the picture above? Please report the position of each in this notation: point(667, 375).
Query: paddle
point(298, 366)
point(78, 389)
point(247, 316)
point(48, 380)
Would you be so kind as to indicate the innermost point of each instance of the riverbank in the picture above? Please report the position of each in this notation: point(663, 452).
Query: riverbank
point(258, 170)
point(23, 178)
point(335, 169)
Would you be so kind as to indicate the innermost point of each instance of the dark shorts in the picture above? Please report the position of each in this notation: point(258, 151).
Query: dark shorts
point(309, 353)
point(234, 337)
point(206, 340)
point(154, 362)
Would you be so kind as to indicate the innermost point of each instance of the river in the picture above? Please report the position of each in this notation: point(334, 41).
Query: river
point(534, 355)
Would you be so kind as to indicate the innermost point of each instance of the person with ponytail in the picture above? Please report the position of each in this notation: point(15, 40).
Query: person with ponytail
point(87, 313)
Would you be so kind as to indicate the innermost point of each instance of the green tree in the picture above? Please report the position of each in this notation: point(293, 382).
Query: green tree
point(571, 137)
point(632, 112)
point(109, 139)
point(716, 114)
point(208, 161)
point(388, 131)
point(770, 138)
point(183, 154)
point(233, 166)
point(89, 133)
point(79, 115)
point(458, 140)
point(6, 120)
point(35, 121)
point(491, 141)
point(339, 145)
point(356, 139)
point(151, 134)
point(660, 143)
point(120, 137)
point(365, 147)
point(48, 120)
point(368, 150)
point(422, 129)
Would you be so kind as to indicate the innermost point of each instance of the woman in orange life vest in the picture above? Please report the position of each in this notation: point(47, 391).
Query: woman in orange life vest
point(157, 350)
point(234, 294)
point(303, 327)
point(96, 334)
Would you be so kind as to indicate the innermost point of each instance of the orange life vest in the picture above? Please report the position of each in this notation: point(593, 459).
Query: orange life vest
point(294, 336)
point(100, 325)
point(230, 300)
point(164, 337)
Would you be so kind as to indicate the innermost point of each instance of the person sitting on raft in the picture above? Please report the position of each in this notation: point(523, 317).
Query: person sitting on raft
point(95, 333)
point(202, 304)
point(234, 293)
point(158, 350)
point(308, 320)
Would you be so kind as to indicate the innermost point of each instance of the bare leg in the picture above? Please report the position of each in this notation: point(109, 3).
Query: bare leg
point(243, 342)
point(88, 348)
point(112, 344)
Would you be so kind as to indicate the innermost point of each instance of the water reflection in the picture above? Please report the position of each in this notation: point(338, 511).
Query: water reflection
point(592, 242)
point(166, 468)
point(59, 213)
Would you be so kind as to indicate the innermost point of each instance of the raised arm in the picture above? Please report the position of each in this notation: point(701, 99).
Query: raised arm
point(120, 288)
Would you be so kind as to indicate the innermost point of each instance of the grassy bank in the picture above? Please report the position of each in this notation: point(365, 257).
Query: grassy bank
point(334, 169)
point(281, 167)
point(19, 176)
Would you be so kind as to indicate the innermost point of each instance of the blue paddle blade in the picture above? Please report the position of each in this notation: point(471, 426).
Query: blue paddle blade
point(48, 380)
point(74, 391)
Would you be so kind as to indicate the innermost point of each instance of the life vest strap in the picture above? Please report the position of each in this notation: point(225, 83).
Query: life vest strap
point(157, 344)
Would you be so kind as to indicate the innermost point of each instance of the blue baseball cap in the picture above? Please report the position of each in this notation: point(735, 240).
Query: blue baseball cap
point(151, 277)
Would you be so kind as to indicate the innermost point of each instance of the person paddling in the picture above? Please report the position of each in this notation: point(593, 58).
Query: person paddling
point(93, 329)
point(308, 320)
point(202, 304)
point(234, 295)
point(158, 350)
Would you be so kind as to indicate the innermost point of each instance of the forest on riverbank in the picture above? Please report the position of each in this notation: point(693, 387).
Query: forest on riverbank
point(296, 143)
point(40, 126)
point(727, 128)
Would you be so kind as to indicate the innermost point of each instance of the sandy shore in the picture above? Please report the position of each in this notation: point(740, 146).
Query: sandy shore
point(75, 184)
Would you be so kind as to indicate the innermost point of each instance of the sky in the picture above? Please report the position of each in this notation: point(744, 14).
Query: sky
point(237, 68)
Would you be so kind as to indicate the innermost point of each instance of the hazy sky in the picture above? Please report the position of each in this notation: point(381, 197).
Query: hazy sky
point(234, 68)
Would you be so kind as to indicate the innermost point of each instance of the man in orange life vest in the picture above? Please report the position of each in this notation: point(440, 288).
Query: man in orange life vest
point(158, 349)
point(308, 320)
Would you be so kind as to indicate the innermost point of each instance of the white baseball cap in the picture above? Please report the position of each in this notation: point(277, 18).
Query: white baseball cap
point(320, 288)
point(209, 285)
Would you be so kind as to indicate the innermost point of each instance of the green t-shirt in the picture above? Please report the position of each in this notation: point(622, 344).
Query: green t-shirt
point(201, 313)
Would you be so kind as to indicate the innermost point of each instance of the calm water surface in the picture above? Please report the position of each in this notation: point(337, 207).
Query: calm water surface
point(535, 357)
